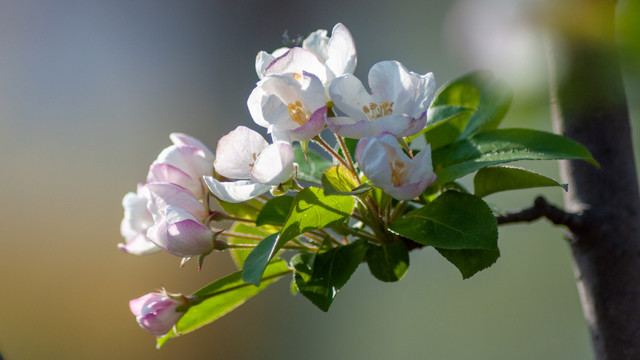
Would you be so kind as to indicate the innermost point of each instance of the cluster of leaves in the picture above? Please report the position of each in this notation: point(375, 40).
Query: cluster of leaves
point(350, 222)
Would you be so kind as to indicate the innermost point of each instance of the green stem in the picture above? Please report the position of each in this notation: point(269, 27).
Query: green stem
point(328, 148)
point(398, 210)
point(201, 298)
point(347, 155)
point(405, 146)
point(242, 236)
point(361, 235)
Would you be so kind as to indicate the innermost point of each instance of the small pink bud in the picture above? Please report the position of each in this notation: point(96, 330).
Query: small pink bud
point(156, 312)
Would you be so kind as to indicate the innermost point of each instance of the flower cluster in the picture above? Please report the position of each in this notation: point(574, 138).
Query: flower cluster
point(301, 92)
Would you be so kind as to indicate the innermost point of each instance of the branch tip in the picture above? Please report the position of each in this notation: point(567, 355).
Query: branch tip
point(542, 208)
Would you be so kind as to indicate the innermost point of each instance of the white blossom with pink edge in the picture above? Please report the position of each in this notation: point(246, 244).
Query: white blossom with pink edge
point(137, 220)
point(291, 106)
point(156, 312)
point(178, 221)
point(398, 102)
point(389, 168)
point(256, 166)
point(326, 57)
point(180, 233)
point(184, 163)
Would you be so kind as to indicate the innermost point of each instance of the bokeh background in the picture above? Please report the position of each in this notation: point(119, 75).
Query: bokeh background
point(91, 89)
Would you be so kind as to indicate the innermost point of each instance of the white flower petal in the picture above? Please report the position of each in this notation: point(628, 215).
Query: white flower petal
point(348, 127)
point(423, 95)
point(164, 194)
point(274, 165)
point(390, 169)
point(286, 102)
point(170, 174)
point(235, 191)
point(263, 59)
point(350, 96)
point(411, 93)
point(264, 108)
point(423, 164)
point(237, 151)
point(297, 60)
point(136, 216)
point(391, 81)
point(318, 43)
point(341, 51)
point(183, 139)
point(139, 245)
point(137, 219)
point(190, 159)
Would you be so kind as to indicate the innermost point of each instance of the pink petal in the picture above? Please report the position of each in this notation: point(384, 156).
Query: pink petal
point(170, 174)
point(312, 127)
point(164, 194)
point(297, 60)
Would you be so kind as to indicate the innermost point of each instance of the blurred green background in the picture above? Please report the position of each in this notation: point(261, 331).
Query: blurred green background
point(91, 89)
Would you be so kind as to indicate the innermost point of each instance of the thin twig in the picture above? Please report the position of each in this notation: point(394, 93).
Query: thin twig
point(345, 151)
point(328, 148)
point(542, 208)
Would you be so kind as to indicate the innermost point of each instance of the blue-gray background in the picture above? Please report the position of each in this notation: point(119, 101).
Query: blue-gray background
point(90, 90)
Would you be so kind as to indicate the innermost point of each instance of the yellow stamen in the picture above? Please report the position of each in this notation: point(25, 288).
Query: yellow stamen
point(255, 156)
point(297, 113)
point(398, 172)
point(375, 111)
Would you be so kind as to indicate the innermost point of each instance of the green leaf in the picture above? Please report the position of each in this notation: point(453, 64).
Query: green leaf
point(319, 277)
point(310, 210)
point(338, 180)
point(437, 115)
point(495, 179)
point(463, 91)
point(311, 170)
point(239, 255)
point(222, 296)
point(245, 210)
point(258, 259)
point(388, 262)
point(452, 221)
point(500, 146)
point(275, 211)
point(489, 96)
point(470, 261)
point(495, 99)
point(475, 102)
point(444, 124)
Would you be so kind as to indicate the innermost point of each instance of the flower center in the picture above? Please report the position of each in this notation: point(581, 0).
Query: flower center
point(375, 111)
point(398, 172)
point(297, 113)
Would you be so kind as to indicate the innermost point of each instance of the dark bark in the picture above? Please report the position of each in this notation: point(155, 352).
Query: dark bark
point(589, 105)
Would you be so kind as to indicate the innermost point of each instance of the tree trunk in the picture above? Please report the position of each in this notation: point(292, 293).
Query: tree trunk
point(589, 105)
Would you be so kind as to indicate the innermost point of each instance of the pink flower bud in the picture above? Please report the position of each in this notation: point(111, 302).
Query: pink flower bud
point(156, 312)
point(183, 163)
